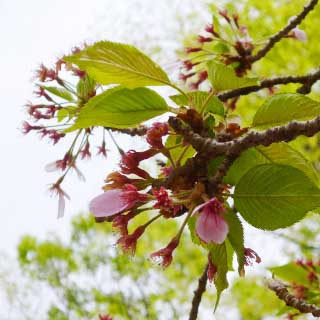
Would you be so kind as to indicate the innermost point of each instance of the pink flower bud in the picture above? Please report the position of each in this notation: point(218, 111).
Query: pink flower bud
point(190, 50)
point(115, 201)
point(202, 39)
point(210, 225)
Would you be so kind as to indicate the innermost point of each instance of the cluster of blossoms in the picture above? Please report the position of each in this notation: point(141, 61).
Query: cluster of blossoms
point(57, 102)
point(231, 48)
point(133, 191)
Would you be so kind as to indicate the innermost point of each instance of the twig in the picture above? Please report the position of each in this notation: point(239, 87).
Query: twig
point(283, 32)
point(306, 80)
point(138, 131)
point(282, 292)
point(198, 295)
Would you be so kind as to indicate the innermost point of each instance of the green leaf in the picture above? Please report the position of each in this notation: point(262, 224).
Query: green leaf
point(273, 196)
point(284, 107)
point(291, 272)
point(280, 153)
point(115, 63)
point(120, 108)
point(60, 92)
point(197, 99)
point(192, 228)
point(223, 77)
point(86, 89)
point(218, 254)
point(188, 151)
point(66, 112)
point(220, 48)
point(236, 237)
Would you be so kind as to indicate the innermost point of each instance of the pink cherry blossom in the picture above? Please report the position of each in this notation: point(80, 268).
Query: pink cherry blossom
point(299, 35)
point(210, 225)
point(115, 201)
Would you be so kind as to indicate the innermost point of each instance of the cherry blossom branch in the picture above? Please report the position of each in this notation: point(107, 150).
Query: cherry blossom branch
point(137, 131)
point(295, 21)
point(211, 147)
point(282, 292)
point(208, 148)
point(307, 82)
point(202, 283)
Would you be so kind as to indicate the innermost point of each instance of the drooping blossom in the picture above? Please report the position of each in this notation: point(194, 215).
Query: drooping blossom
point(120, 221)
point(128, 242)
point(27, 127)
point(115, 201)
point(250, 256)
point(85, 152)
point(102, 149)
point(210, 225)
point(164, 255)
point(130, 162)
point(62, 195)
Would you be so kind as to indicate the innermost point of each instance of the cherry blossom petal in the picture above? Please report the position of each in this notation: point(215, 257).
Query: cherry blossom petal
point(109, 203)
point(211, 227)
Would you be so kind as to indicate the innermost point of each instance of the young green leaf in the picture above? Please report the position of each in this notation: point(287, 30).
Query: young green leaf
point(115, 63)
point(120, 108)
point(284, 107)
point(291, 272)
point(66, 112)
point(60, 92)
point(280, 153)
point(197, 99)
point(236, 238)
point(273, 196)
point(182, 152)
point(223, 77)
point(218, 253)
point(86, 89)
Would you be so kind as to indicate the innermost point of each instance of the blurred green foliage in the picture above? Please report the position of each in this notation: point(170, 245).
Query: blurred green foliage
point(88, 275)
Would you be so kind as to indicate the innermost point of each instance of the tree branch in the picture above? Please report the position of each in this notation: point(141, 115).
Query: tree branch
point(283, 32)
point(282, 292)
point(138, 131)
point(305, 80)
point(211, 147)
point(198, 295)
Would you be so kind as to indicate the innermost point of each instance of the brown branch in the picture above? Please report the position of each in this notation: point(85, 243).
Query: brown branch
point(306, 80)
point(202, 283)
point(138, 131)
point(216, 180)
point(211, 147)
point(282, 292)
point(283, 32)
